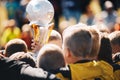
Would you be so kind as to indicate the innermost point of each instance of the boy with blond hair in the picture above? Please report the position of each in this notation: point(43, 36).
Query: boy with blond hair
point(77, 46)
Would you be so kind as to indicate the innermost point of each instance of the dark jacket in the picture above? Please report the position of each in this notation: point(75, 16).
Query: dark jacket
point(16, 70)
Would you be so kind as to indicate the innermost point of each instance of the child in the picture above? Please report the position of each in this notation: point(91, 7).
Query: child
point(50, 57)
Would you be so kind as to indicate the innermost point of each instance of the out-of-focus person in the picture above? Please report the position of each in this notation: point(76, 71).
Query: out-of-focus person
point(26, 35)
point(3, 17)
point(71, 9)
point(117, 25)
point(88, 16)
point(10, 32)
point(109, 15)
point(11, 6)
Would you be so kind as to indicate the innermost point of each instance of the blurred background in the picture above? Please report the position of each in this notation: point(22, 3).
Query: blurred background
point(14, 23)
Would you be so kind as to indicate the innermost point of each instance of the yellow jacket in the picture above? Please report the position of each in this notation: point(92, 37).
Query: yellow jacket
point(116, 68)
point(117, 74)
point(92, 70)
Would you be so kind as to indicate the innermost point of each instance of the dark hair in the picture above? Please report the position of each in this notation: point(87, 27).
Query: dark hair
point(15, 45)
point(105, 52)
point(50, 57)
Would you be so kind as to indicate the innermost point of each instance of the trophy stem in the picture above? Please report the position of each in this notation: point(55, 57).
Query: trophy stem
point(36, 32)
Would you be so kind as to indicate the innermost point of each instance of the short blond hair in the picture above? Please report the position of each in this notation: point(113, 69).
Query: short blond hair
point(55, 35)
point(96, 41)
point(78, 40)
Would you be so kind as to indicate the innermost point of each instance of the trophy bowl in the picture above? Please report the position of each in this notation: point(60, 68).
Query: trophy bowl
point(40, 13)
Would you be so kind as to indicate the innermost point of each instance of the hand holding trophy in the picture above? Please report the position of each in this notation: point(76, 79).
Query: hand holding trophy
point(40, 13)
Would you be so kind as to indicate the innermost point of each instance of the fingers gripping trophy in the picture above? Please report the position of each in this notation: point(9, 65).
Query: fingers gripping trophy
point(40, 13)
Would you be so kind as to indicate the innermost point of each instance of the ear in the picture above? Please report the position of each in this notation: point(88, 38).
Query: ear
point(68, 53)
point(68, 56)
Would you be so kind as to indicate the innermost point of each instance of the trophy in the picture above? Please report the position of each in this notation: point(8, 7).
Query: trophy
point(40, 13)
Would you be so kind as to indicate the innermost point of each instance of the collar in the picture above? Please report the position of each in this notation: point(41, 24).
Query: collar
point(83, 61)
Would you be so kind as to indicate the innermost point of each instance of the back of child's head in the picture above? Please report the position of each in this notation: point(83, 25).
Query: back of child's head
point(78, 40)
point(115, 41)
point(96, 41)
point(115, 38)
point(50, 57)
point(25, 57)
point(55, 38)
point(15, 45)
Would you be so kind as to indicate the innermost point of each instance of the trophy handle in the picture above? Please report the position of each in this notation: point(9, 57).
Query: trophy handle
point(50, 28)
point(36, 32)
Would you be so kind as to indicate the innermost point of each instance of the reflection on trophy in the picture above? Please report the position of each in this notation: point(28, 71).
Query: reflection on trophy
point(40, 13)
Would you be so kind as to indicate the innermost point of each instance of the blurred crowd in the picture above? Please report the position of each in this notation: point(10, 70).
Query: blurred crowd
point(84, 44)
point(14, 22)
